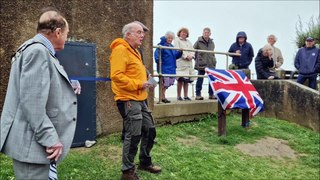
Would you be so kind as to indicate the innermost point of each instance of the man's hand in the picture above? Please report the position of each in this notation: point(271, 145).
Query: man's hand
point(76, 86)
point(54, 151)
point(189, 57)
point(146, 85)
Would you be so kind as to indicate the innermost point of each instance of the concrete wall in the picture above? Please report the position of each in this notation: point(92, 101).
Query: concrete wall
point(288, 100)
point(98, 21)
point(183, 111)
point(283, 99)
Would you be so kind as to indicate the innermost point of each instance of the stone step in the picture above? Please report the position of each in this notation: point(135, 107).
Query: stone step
point(181, 111)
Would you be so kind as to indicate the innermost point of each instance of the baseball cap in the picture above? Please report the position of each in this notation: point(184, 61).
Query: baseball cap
point(309, 39)
point(145, 29)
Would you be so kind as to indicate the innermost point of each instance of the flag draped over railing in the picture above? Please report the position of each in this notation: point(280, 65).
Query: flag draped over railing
point(234, 90)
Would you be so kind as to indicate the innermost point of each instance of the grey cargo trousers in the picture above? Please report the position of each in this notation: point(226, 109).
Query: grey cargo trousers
point(138, 126)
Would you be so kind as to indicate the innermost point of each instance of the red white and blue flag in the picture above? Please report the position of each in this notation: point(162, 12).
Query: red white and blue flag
point(234, 90)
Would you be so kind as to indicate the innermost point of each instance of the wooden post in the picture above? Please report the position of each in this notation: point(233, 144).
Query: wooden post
point(221, 121)
point(245, 118)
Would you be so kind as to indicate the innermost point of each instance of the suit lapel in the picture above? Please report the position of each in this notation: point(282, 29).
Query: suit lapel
point(60, 68)
point(54, 60)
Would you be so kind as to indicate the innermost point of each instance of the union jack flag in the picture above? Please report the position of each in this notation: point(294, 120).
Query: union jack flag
point(234, 90)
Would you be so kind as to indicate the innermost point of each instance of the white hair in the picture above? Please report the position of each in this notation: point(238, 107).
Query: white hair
point(169, 33)
point(128, 28)
point(266, 47)
point(273, 36)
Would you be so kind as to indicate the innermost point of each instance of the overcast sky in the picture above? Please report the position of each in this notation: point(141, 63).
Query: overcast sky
point(226, 18)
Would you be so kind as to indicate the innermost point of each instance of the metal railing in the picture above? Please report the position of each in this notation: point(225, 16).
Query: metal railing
point(161, 76)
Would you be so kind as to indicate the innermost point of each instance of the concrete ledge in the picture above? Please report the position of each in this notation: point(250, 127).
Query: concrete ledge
point(180, 111)
point(288, 100)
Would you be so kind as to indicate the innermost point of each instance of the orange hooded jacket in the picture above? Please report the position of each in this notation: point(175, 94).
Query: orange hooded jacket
point(127, 72)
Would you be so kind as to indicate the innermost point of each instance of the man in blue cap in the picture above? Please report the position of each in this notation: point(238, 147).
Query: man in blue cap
point(307, 62)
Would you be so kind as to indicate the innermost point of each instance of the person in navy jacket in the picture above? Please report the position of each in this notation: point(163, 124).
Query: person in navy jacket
point(244, 48)
point(307, 62)
point(168, 62)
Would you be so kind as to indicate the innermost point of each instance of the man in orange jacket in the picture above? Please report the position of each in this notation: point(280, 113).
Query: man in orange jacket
point(129, 83)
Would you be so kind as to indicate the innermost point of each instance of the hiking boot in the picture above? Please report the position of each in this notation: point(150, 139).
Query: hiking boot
point(199, 98)
point(212, 97)
point(130, 175)
point(151, 168)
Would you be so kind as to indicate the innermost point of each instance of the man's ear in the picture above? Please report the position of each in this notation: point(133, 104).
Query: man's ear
point(58, 32)
point(130, 34)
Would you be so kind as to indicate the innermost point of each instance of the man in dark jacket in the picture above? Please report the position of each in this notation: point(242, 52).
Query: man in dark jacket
point(204, 60)
point(244, 48)
point(307, 62)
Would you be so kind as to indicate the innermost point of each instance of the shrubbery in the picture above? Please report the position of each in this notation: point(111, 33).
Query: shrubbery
point(313, 30)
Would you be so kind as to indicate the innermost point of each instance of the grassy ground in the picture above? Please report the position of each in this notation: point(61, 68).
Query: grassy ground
point(193, 151)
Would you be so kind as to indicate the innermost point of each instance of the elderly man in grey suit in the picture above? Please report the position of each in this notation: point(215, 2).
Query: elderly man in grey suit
point(39, 114)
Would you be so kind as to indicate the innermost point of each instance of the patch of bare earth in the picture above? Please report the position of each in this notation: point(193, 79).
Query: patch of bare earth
point(270, 147)
point(192, 141)
point(189, 140)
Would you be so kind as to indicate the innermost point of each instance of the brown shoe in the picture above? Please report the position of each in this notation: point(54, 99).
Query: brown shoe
point(130, 175)
point(152, 168)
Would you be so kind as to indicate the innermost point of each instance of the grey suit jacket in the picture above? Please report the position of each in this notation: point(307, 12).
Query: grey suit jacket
point(40, 107)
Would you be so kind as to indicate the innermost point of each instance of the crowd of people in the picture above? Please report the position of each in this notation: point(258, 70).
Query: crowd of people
point(268, 60)
point(36, 133)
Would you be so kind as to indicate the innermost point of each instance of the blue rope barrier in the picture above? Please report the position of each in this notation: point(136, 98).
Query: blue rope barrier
point(90, 78)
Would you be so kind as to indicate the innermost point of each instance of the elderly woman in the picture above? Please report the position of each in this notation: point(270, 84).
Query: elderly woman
point(168, 62)
point(184, 63)
point(264, 62)
point(276, 53)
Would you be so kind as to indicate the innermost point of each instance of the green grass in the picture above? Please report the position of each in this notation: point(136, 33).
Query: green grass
point(193, 151)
